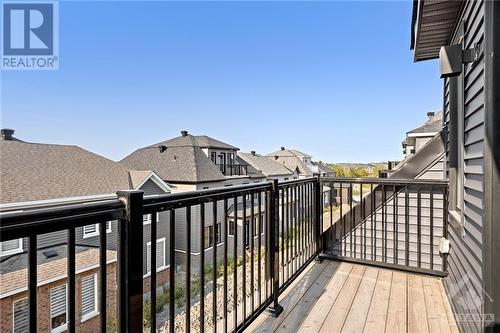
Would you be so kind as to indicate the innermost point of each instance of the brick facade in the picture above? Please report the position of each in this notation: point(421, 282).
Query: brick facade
point(43, 304)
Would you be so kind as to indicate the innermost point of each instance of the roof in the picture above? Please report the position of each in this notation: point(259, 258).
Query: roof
point(283, 152)
point(35, 171)
point(38, 171)
point(176, 164)
point(188, 140)
point(433, 24)
point(432, 126)
point(266, 165)
point(14, 281)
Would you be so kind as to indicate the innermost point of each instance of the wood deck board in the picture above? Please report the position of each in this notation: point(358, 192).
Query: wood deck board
point(344, 297)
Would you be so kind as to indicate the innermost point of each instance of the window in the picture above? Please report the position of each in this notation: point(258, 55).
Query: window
point(11, 247)
point(208, 236)
point(146, 218)
point(160, 256)
point(230, 158)
point(231, 228)
point(58, 307)
point(89, 296)
point(205, 187)
point(218, 233)
point(92, 230)
point(285, 179)
point(213, 157)
point(20, 322)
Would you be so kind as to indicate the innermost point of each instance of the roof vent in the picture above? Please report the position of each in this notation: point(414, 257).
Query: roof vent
point(7, 133)
point(162, 148)
point(276, 157)
point(431, 114)
point(49, 253)
point(252, 152)
point(282, 148)
point(184, 133)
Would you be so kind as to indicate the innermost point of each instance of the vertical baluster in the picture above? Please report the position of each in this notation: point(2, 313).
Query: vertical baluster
point(361, 222)
point(407, 228)
point(32, 283)
point(252, 233)
point(71, 280)
point(214, 265)
point(102, 276)
point(235, 263)
point(259, 245)
point(188, 269)
point(419, 227)
point(384, 224)
point(154, 236)
point(282, 197)
point(288, 230)
point(225, 228)
point(244, 246)
point(295, 231)
point(300, 225)
point(395, 221)
point(373, 223)
point(431, 222)
point(171, 271)
point(343, 250)
point(444, 257)
point(351, 227)
point(202, 267)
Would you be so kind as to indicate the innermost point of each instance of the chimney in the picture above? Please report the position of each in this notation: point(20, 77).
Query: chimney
point(184, 133)
point(282, 148)
point(431, 114)
point(252, 152)
point(7, 133)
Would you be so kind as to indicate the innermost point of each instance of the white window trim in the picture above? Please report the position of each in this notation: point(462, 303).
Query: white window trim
point(164, 266)
point(64, 326)
point(96, 300)
point(148, 220)
point(19, 249)
point(96, 232)
point(13, 307)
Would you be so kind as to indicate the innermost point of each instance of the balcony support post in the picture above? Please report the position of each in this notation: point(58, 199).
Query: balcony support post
point(275, 309)
point(317, 219)
point(130, 263)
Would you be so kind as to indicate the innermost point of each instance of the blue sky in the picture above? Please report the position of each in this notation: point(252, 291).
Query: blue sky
point(334, 79)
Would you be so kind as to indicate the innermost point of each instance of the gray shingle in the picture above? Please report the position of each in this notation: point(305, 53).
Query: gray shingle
point(266, 165)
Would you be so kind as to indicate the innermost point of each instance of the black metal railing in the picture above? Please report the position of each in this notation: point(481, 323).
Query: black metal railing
point(233, 169)
point(230, 252)
point(387, 222)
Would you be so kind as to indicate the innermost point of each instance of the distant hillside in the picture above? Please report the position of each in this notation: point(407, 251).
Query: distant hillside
point(357, 170)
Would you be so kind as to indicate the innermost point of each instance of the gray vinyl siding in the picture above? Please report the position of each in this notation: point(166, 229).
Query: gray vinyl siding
point(463, 284)
point(151, 188)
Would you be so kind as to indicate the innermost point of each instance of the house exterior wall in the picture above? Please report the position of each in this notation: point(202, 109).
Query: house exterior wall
point(463, 285)
point(43, 304)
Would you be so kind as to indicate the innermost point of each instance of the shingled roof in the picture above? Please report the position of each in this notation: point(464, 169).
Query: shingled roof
point(266, 165)
point(433, 125)
point(35, 171)
point(176, 164)
point(39, 171)
point(189, 140)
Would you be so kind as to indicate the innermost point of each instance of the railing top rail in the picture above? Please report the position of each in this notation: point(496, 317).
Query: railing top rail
point(182, 199)
point(296, 181)
point(386, 181)
point(27, 222)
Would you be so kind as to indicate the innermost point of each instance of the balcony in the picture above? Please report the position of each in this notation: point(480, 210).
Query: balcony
point(376, 243)
point(233, 169)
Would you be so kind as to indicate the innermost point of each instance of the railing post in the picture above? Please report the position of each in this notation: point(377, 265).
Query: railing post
point(317, 217)
point(275, 309)
point(130, 263)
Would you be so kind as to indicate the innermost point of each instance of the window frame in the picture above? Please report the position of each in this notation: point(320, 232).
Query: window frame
point(64, 326)
point(17, 250)
point(109, 229)
point(13, 312)
point(148, 260)
point(148, 218)
point(90, 315)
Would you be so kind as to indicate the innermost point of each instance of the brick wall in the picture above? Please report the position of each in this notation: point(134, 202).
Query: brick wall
point(43, 304)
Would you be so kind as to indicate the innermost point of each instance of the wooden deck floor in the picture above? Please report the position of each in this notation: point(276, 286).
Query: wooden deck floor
point(343, 297)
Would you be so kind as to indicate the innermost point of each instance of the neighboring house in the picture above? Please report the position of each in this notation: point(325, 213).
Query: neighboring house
point(198, 162)
point(301, 163)
point(268, 167)
point(469, 45)
point(417, 138)
point(36, 174)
